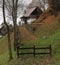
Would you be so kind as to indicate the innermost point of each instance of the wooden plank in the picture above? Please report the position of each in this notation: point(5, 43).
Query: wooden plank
point(35, 48)
point(42, 53)
point(25, 53)
point(32, 53)
point(26, 48)
point(43, 48)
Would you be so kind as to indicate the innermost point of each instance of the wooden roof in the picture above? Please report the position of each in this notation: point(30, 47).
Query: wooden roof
point(29, 12)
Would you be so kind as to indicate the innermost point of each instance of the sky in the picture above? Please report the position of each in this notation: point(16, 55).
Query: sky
point(26, 2)
point(1, 15)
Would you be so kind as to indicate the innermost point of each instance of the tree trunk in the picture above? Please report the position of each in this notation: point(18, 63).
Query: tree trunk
point(9, 44)
point(14, 16)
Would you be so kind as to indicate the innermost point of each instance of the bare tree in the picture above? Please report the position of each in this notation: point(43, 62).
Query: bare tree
point(43, 4)
point(14, 16)
point(54, 5)
point(4, 19)
point(13, 8)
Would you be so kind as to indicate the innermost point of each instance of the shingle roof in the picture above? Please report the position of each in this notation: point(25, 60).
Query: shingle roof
point(29, 11)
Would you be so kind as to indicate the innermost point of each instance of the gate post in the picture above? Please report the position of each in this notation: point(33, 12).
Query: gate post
point(34, 50)
point(50, 51)
point(17, 50)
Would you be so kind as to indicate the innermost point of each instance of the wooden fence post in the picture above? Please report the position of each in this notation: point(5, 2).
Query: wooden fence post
point(34, 50)
point(17, 50)
point(50, 51)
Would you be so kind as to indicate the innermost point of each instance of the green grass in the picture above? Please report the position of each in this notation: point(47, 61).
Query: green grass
point(53, 39)
point(4, 53)
point(49, 40)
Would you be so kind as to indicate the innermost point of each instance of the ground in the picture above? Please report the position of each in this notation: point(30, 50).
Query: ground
point(45, 34)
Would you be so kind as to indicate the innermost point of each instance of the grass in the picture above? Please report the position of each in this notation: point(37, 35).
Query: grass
point(53, 39)
point(4, 53)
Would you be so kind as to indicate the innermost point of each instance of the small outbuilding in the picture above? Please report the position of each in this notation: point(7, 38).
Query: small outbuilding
point(32, 13)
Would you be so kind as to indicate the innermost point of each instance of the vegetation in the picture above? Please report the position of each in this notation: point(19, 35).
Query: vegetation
point(44, 34)
point(53, 39)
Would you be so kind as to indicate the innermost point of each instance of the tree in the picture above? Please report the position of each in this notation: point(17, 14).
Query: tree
point(4, 19)
point(43, 4)
point(14, 17)
point(13, 8)
point(54, 5)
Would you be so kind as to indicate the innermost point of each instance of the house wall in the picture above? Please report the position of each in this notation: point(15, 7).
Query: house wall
point(29, 21)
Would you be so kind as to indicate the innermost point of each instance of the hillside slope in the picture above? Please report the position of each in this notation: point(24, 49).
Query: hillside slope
point(45, 34)
point(54, 40)
point(48, 26)
point(26, 35)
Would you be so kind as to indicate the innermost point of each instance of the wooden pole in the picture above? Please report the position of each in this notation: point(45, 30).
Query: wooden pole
point(50, 51)
point(17, 50)
point(34, 50)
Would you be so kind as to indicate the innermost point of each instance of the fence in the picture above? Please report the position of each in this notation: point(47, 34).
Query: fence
point(34, 48)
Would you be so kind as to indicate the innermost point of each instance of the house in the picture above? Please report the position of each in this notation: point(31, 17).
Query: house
point(32, 13)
